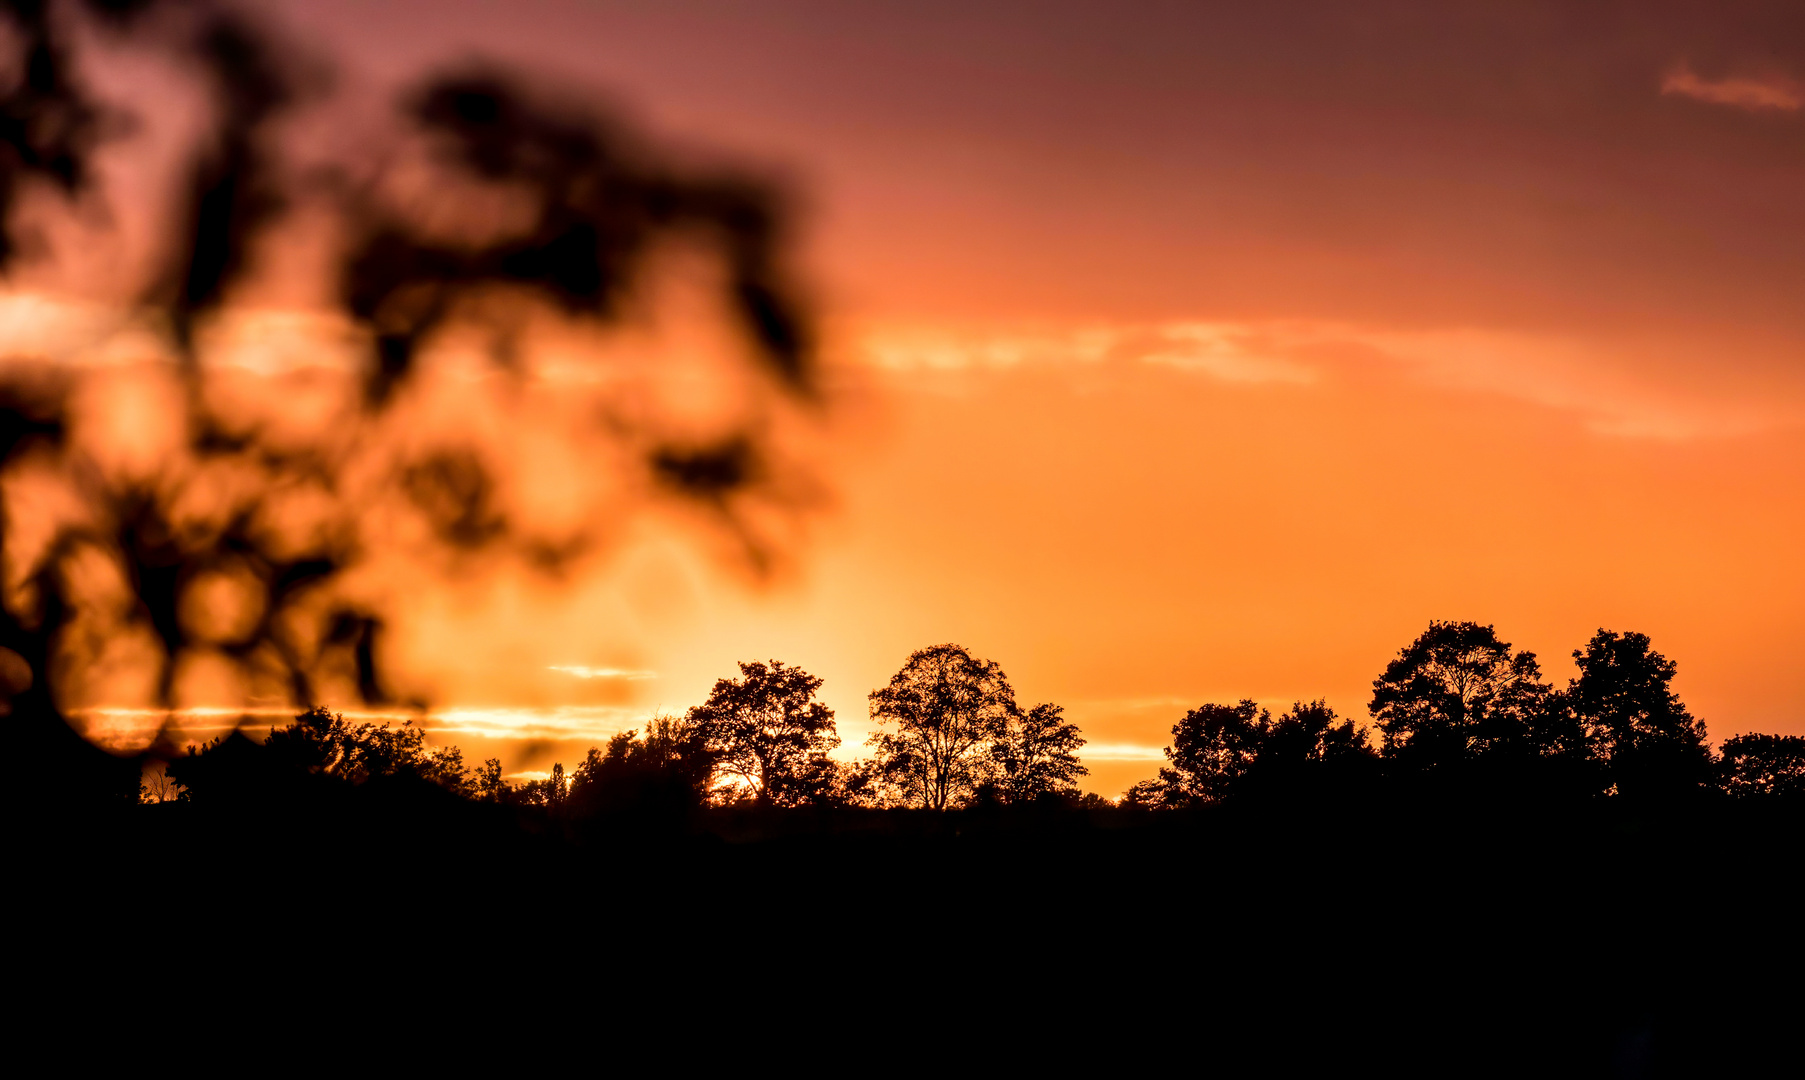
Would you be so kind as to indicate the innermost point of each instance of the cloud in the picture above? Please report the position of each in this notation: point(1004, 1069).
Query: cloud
point(127, 730)
point(582, 672)
point(1228, 352)
point(1122, 752)
point(132, 730)
point(1612, 387)
point(595, 723)
point(1754, 94)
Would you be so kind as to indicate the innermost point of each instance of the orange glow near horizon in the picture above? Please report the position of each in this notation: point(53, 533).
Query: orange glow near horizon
point(1134, 531)
point(1133, 539)
point(1181, 363)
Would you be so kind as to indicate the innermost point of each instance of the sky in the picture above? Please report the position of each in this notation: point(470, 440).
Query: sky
point(1183, 352)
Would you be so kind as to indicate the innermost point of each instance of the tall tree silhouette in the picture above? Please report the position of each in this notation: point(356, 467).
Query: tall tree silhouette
point(1038, 755)
point(939, 717)
point(557, 788)
point(1458, 692)
point(1213, 746)
point(768, 735)
point(1623, 695)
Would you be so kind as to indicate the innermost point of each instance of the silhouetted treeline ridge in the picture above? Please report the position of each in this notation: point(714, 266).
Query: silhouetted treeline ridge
point(951, 735)
point(1456, 712)
point(1458, 708)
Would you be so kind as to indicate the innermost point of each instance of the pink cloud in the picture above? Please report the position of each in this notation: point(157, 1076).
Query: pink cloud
point(1770, 92)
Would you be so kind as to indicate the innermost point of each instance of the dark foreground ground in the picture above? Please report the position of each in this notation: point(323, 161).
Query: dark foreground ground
point(1460, 938)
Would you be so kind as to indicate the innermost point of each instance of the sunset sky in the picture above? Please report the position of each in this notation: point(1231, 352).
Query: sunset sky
point(1185, 353)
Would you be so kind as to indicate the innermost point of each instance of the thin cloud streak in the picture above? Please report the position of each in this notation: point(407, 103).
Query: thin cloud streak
point(131, 730)
point(1772, 92)
point(594, 722)
point(128, 730)
point(1228, 352)
point(1122, 752)
point(582, 672)
point(1600, 383)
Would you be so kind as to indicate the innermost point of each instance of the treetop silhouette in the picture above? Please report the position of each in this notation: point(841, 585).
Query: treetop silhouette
point(1634, 720)
point(954, 737)
point(319, 748)
point(1213, 746)
point(1038, 756)
point(768, 736)
point(1458, 692)
point(1764, 766)
point(941, 715)
point(1220, 752)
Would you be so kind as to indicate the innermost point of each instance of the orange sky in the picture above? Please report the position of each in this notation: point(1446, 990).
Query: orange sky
point(1192, 355)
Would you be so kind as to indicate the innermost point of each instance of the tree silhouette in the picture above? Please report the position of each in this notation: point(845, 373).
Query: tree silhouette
point(1038, 756)
point(1223, 751)
point(1636, 723)
point(159, 787)
point(768, 736)
point(488, 784)
point(1306, 745)
point(665, 773)
point(943, 711)
point(557, 788)
point(1458, 692)
point(1213, 746)
point(1764, 766)
point(318, 750)
point(1146, 795)
point(321, 742)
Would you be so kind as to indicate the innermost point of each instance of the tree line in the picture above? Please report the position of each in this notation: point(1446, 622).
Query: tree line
point(951, 733)
point(1456, 706)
